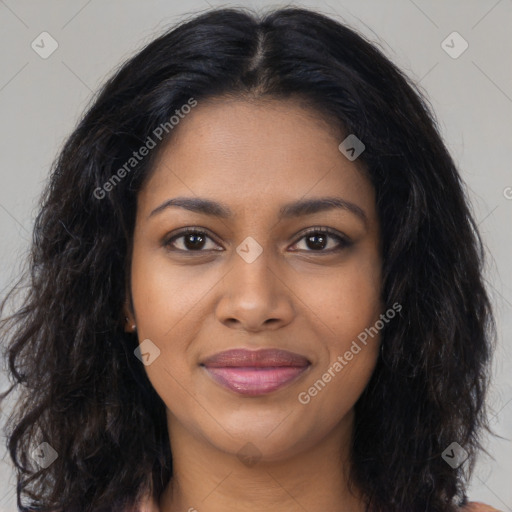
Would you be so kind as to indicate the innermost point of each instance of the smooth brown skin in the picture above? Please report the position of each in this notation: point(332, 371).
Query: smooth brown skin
point(254, 157)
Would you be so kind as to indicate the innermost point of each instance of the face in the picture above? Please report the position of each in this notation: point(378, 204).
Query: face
point(261, 272)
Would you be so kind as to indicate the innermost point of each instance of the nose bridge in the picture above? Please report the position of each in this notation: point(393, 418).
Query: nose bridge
point(253, 292)
point(252, 268)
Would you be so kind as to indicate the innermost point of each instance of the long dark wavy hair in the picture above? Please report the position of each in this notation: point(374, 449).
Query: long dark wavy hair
point(80, 387)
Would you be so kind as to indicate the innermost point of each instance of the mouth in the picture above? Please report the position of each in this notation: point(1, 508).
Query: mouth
point(255, 372)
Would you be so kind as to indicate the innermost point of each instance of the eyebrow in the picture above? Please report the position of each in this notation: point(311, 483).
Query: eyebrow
point(287, 211)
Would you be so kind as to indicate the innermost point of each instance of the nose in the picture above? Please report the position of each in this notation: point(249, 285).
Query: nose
point(255, 297)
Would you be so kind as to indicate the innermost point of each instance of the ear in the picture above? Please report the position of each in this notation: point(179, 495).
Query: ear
point(130, 324)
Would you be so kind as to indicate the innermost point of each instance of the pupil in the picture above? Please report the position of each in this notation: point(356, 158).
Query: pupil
point(194, 238)
point(317, 245)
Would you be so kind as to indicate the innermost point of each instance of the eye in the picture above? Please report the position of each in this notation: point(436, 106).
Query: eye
point(317, 239)
point(196, 240)
point(192, 240)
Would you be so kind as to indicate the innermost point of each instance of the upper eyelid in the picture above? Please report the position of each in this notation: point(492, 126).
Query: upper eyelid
point(188, 230)
point(330, 232)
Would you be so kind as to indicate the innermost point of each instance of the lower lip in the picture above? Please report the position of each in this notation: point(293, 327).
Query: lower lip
point(255, 381)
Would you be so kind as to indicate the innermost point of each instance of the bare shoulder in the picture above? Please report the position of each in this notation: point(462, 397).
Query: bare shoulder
point(478, 507)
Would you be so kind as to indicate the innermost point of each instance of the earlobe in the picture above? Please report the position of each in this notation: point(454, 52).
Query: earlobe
point(129, 325)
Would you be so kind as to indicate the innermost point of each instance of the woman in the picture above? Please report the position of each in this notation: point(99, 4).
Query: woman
point(255, 283)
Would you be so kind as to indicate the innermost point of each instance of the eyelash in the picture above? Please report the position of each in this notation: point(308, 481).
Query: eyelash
point(343, 241)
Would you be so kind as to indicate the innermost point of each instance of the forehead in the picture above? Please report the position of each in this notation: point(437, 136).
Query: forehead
point(253, 153)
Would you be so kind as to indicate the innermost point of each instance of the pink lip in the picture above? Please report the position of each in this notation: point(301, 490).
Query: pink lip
point(251, 372)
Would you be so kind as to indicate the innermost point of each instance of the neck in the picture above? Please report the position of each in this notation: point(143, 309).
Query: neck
point(207, 479)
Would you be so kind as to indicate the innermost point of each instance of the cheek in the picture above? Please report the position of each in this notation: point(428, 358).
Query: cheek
point(165, 296)
point(351, 348)
point(347, 300)
point(165, 304)
point(348, 304)
point(166, 300)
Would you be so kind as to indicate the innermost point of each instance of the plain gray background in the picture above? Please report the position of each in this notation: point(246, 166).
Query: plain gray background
point(471, 94)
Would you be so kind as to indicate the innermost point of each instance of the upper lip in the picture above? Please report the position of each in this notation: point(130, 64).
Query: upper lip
point(255, 358)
